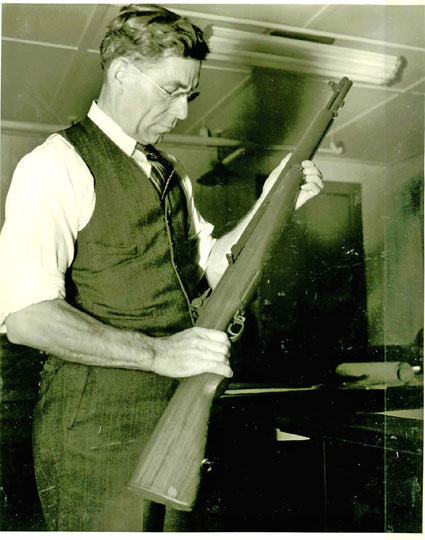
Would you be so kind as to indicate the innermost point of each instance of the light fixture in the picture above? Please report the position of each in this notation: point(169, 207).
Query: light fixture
point(229, 45)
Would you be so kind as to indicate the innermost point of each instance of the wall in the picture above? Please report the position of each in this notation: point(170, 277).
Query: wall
point(404, 243)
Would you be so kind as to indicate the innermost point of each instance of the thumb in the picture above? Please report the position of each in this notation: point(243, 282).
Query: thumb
point(303, 197)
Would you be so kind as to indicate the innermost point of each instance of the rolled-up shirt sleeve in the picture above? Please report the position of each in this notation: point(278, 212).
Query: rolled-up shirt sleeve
point(45, 208)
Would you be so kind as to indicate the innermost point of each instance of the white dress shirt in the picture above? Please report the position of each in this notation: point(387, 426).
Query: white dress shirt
point(51, 199)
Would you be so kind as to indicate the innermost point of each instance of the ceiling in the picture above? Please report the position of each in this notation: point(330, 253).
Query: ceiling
point(51, 72)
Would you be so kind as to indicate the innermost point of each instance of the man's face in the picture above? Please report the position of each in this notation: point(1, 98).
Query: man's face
point(144, 111)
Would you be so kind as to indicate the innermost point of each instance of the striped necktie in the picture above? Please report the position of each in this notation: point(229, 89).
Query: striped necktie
point(161, 171)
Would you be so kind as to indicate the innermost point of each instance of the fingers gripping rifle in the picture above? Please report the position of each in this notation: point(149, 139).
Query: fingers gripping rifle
point(169, 467)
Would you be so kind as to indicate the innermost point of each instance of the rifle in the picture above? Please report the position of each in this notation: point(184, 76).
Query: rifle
point(168, 471)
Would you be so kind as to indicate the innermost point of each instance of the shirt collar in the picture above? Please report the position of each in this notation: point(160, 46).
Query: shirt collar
point(126, 143)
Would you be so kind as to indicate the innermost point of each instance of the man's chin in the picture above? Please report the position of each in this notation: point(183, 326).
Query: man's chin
point(156, 137)
point(164, 130)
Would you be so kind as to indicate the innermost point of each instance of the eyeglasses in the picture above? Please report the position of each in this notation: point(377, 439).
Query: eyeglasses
point(169, 96)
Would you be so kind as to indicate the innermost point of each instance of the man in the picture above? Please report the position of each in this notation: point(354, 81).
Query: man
point(105, 251)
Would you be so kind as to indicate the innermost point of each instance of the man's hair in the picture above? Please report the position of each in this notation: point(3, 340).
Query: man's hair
point(148, 33)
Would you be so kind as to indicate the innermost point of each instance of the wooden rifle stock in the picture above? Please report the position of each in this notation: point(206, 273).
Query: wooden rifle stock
point(169, 467)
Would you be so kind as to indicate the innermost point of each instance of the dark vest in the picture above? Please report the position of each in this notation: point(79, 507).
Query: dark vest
point(134, 265)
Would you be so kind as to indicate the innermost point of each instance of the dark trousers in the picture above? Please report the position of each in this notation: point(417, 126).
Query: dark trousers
point(90, 426)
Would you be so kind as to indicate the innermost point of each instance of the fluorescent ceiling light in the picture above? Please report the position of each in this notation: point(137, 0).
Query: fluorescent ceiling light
point(254, 49)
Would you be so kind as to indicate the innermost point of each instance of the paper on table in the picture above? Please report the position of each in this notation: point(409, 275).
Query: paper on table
point(414, 414)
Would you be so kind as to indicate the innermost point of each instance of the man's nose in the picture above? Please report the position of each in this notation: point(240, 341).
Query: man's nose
point(180, 108)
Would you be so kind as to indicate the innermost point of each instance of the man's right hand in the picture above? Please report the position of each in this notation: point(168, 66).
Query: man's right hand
point(192, 352)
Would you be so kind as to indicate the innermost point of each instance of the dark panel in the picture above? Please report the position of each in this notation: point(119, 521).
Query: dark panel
point(19, 372)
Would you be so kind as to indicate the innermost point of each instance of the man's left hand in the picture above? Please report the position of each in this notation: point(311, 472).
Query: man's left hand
point(313, 183)
point(312, 186)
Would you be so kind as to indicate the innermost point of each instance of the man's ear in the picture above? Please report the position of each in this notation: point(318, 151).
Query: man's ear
point(118, 74)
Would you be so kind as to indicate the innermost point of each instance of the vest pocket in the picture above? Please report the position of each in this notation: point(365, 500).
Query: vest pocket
point(108, 255)
point(108, 312)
